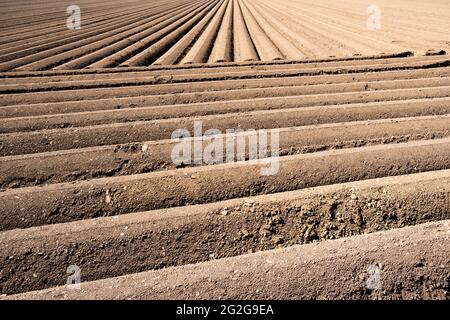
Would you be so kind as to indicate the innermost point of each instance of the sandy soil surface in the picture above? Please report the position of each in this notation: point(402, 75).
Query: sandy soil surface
point(34, 37)
point(412, 263)
point(359, 121)
point(69, 162)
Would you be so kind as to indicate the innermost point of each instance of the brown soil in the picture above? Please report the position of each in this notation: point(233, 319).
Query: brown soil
point(85, 154)
point(143, 157)
point(56, 203)
point(412, 262)
point(132, 33)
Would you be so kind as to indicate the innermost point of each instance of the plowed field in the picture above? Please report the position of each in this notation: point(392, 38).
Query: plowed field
point(141, 33)
point(359, 120)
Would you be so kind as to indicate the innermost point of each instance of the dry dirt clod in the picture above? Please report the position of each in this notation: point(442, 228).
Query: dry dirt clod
point(277, 239)
point(108, 199)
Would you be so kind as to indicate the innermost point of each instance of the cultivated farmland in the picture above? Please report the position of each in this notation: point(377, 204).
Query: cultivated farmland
point(360, 120)
point(141, 33)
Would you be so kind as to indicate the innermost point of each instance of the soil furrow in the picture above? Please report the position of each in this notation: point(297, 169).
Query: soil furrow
point(201, 233)
point(300, 272)
point(142, 157)
point(56, 203)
